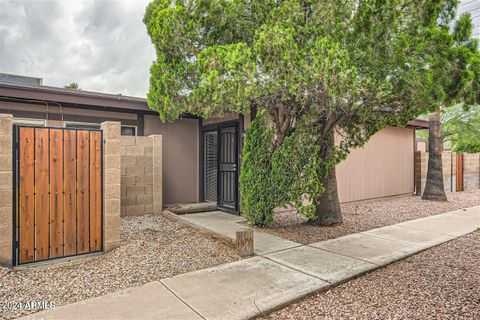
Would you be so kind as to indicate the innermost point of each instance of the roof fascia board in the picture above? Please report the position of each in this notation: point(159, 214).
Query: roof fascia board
point(74, 97)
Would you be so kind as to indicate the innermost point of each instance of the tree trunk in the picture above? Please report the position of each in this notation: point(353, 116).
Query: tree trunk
point(434, 189)
point(328, 211)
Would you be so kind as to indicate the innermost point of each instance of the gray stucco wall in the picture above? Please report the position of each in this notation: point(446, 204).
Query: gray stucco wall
point(180, 158)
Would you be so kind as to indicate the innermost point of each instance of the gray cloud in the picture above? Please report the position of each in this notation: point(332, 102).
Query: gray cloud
point(102, 45)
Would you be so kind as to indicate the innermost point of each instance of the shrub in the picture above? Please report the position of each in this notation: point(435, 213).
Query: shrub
point(257, 192)
point(273, 178)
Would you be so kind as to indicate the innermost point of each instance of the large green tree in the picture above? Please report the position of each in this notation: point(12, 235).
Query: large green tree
point(325, 75)
point(454, 62)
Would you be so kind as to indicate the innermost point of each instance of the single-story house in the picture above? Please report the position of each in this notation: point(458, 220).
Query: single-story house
point(201, 157)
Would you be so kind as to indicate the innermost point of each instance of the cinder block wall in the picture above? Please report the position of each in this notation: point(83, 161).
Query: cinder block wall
point(471, 170)
point(449, 166)
point(139, 186)
point(421, 160)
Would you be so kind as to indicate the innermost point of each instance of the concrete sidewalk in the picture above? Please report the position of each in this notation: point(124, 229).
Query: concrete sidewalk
point(250, 287)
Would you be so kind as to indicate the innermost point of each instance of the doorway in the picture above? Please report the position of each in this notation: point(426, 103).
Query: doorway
point(220, 167)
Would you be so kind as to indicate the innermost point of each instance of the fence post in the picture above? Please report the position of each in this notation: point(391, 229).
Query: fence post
point(6, 189)
point(245, 242)
point(111, 187)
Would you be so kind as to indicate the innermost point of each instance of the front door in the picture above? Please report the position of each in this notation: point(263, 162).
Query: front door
point(227, 185)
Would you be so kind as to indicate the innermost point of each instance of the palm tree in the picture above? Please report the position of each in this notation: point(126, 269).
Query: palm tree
point(456, 79)
point(73, 86)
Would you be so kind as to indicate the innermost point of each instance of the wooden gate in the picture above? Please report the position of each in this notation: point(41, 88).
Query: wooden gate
point(57, 193)
point(459, 172)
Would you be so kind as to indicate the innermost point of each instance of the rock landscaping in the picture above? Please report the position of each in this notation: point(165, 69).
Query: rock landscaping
point(153, 248)
point(366, 215)
point(440, 283)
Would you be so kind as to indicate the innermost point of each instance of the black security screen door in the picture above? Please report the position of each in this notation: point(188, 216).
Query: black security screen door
point(227, 198)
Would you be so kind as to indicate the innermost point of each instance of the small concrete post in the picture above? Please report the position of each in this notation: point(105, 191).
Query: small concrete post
point(6, 189)
point(111, 188)
point(245, 242)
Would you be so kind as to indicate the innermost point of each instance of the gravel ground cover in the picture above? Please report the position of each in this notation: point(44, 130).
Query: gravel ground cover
point(153, 248)
point(367, 215)
point(440, 283)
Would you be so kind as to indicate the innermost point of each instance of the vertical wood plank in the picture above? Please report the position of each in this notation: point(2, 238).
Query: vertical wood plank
point(42, 212)
point(56, 193)
point(83, 245)
point(70, 185)
point(459, 173)
point(27, 210)
point(95, 192)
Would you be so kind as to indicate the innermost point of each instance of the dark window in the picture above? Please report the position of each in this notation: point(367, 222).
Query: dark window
point(125, 130)
point(29, 122)
point(81, 125)
point(129, 131)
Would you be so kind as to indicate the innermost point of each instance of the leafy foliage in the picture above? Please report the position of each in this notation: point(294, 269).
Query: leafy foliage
point(318, 69)
point(269, 176)
point(454, 64)
point(224, 56)
point(258, 194)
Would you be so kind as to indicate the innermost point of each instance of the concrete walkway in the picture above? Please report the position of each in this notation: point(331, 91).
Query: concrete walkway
point(227, 224)
point(250, 287)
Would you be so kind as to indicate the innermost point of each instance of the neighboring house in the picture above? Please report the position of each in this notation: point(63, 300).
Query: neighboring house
point(17, 79)
point(201, 158)
point(472, 7)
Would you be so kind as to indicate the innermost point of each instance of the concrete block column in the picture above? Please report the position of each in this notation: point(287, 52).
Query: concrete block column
point(111, 188)
point(6, 189)
point(157, 193)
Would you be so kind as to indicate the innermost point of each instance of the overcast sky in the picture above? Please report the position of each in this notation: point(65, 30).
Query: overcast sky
point(102, 44)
